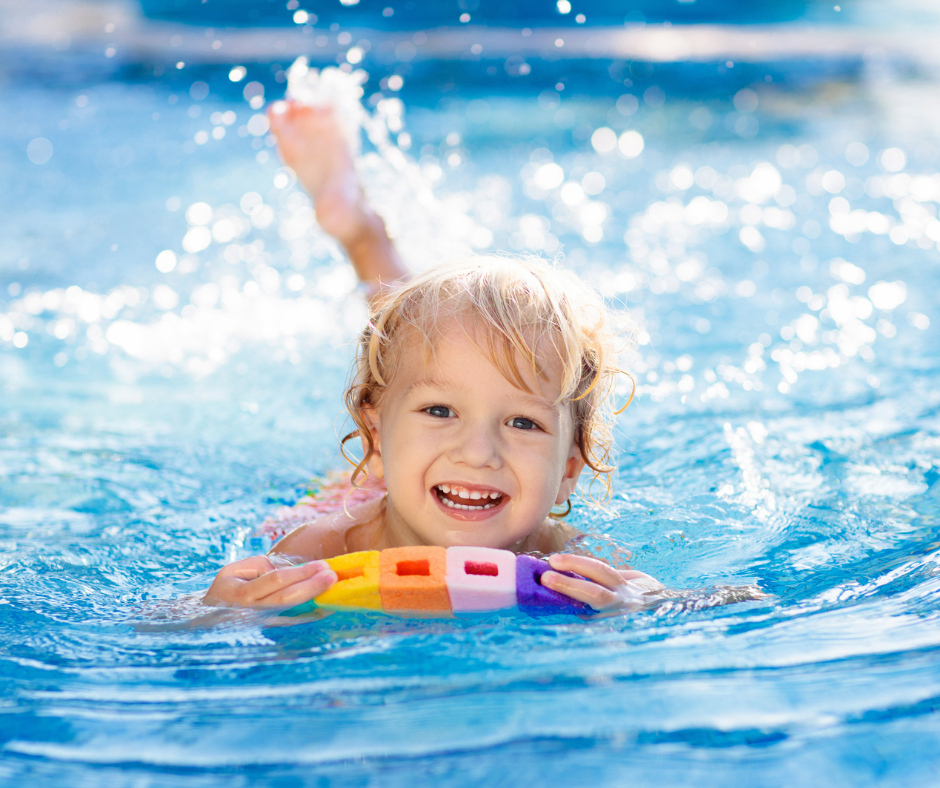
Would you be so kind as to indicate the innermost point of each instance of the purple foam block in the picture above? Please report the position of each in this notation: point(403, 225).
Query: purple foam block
point(536, 600)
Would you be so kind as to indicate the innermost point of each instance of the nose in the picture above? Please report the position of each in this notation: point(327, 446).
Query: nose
point(477, 446)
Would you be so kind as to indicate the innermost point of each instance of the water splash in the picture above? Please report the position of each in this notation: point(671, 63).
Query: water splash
point(331, 87)
point(254, 258)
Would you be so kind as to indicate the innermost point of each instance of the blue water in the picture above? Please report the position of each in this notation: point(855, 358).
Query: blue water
point(785, 434)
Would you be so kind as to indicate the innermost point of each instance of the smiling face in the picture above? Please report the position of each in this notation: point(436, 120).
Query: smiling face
point(469, 458)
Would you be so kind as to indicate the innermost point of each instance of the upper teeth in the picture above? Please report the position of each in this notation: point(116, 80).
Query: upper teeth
point(467, 494)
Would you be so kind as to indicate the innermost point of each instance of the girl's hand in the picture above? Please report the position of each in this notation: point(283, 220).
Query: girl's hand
point(612, 590)
point(256, 582)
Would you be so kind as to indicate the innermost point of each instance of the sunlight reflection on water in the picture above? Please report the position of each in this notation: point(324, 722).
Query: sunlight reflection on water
point(785, 434)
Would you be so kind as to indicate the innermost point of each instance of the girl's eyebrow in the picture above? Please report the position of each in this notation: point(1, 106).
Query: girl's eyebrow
point(426, 383)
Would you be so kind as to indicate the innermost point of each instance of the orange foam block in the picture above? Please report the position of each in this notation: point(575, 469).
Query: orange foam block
point(413, 579)
point(481, 579)
point(358, 584)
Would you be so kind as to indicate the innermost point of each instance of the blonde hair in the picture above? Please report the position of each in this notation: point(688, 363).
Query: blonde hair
point(522, 308)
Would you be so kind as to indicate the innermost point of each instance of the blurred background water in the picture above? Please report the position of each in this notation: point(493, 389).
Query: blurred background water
point(757, 182)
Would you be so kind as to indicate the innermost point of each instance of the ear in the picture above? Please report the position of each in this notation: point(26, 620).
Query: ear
point(372, 419)
point(573, 465)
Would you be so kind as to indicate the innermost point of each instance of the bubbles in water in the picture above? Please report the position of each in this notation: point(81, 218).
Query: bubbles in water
point(856, 153)
point(39, 150)
point(593, 183)
point(887, 296)
point(549, 176)
point(604, 140)
point(197, 239)
point(199, 213)
point(166, 261)
point(745, 100)
point(892, 159)
point(627, 104)
point(199, 91)
point(846, 271)
point(833, 181)
point(751, 237)
point(258, 125)
point(631, 144)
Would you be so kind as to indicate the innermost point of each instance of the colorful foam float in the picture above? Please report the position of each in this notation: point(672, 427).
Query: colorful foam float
point(439, 582)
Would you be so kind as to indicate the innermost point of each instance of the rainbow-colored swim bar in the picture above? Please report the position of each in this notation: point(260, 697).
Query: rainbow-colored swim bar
point(438, 581)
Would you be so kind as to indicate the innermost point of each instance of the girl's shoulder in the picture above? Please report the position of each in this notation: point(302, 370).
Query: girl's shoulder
point(325, 495)
point(331, 519)
point(356, 528)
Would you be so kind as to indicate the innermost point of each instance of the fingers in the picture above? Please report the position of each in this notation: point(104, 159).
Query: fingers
point(269, 582)
point(606, 589)
point(256, 582)
point(590, 568)
point(303, 590)
point(593, 594)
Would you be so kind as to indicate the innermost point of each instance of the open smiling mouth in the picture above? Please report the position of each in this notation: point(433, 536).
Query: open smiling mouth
point(468, 500)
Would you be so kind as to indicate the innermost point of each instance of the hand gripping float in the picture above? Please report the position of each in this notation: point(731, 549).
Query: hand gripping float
point(438, 581)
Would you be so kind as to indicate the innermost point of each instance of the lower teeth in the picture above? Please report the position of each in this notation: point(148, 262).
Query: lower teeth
point(465, 507)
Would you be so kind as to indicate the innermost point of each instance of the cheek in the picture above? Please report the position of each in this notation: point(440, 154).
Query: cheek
point(408, 455)
point(551, 463)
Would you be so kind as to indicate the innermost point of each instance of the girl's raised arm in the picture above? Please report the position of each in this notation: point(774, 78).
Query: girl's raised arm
point(311, 143)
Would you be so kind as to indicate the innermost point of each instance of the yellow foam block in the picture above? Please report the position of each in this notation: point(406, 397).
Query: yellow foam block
point(358, 584)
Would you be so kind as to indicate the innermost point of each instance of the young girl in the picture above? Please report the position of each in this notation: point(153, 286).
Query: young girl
point(480, 391)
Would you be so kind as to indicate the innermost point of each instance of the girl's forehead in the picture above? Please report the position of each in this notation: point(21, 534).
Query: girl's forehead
point(455, 347)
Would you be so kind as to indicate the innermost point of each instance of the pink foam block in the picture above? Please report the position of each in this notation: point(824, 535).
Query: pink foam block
point(480, 578)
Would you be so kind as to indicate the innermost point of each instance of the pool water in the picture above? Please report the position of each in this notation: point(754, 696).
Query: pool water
point(174, 337)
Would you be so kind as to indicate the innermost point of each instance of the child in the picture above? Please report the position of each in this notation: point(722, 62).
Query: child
point(480, 391)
